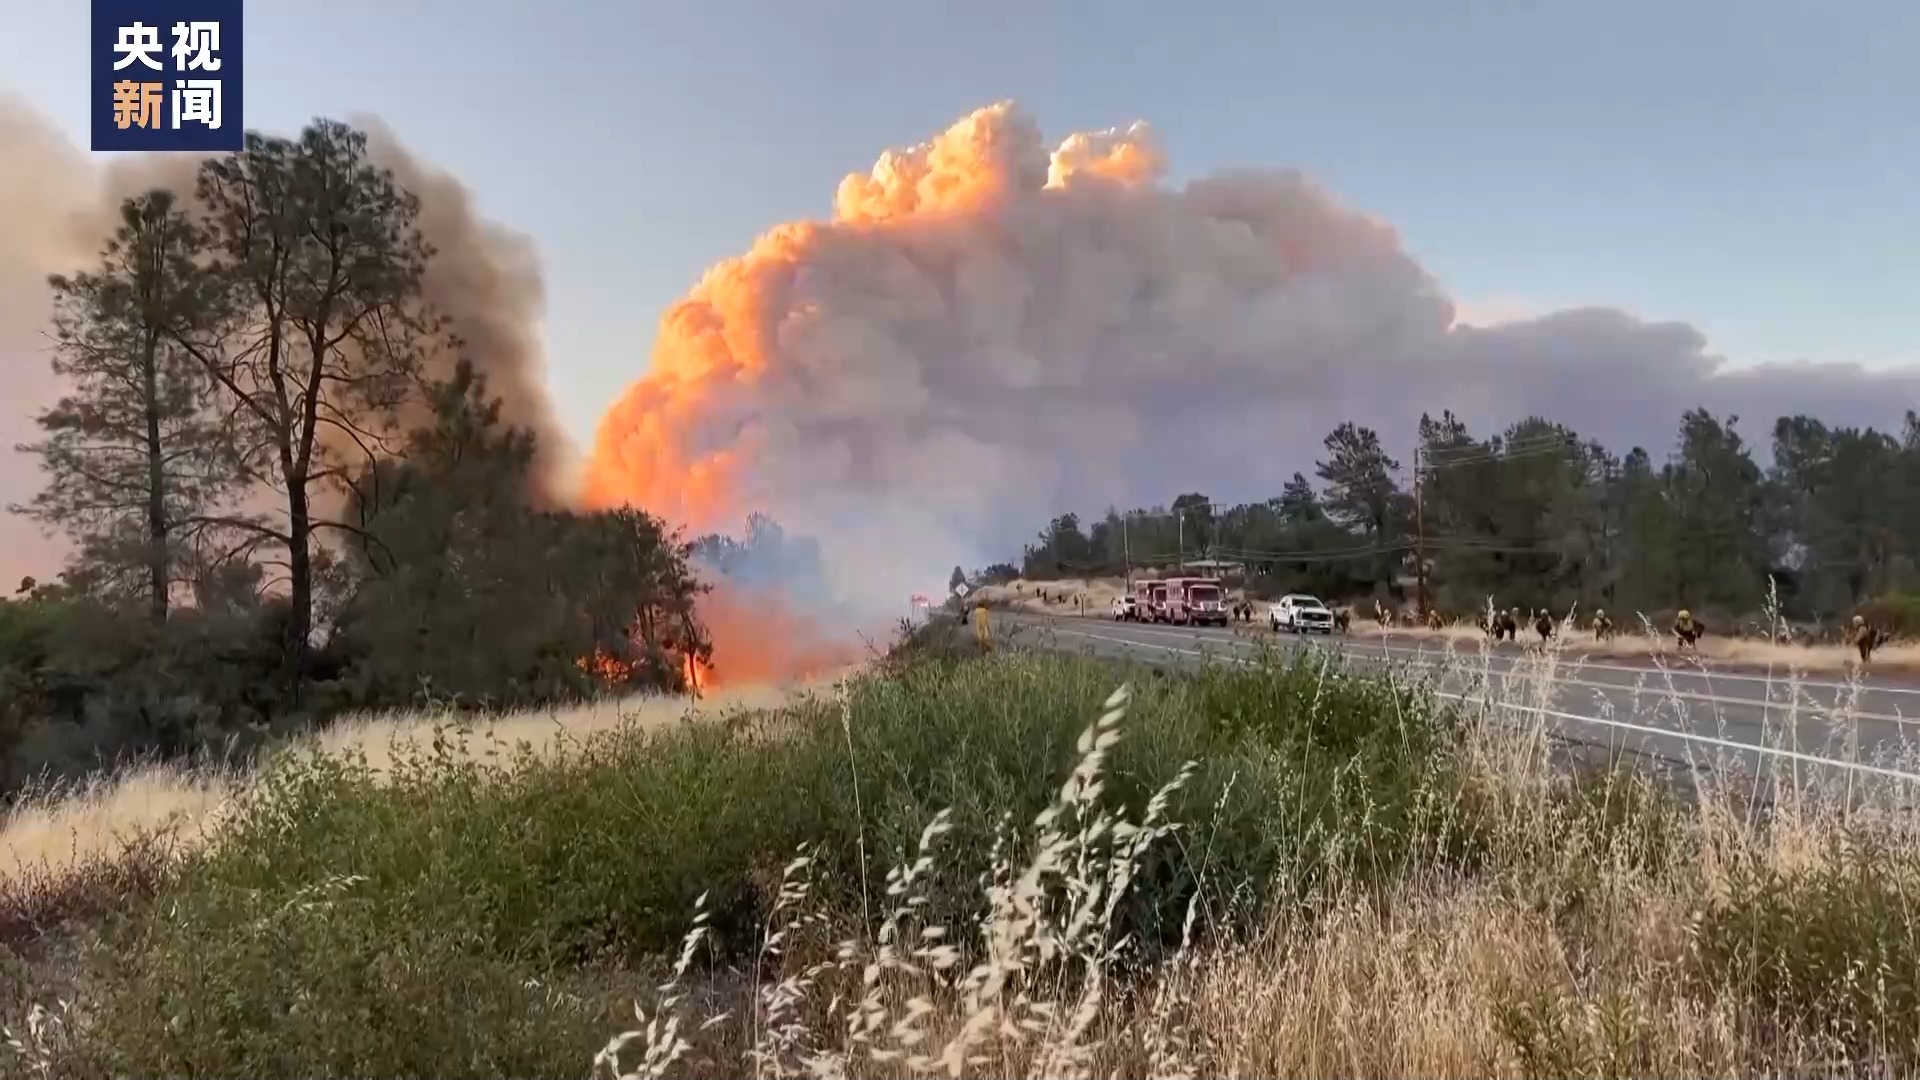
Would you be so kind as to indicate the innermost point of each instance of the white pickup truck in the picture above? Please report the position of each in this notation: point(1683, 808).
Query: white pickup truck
point(1301, 614)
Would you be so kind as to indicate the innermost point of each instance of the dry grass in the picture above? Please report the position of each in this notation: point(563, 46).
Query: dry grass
point(1614, 933)
point(1064, 596)
point(63, 830)
point(1604, 928)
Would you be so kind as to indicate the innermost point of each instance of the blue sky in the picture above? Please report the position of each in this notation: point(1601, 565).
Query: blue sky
point(1748, 167)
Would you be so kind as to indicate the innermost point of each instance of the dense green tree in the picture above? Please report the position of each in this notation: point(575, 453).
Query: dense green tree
point(1362, 494)
point(1063, 550)
point(135, 454)
point(1359, 475)
point(463, 588)
point(1718, 552)
point(1299, 503)
point(1193, 524)
point(1838, 504)
point(320, 259)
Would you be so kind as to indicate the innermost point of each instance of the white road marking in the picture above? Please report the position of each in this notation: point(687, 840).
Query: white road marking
point(1684, 672)
point(1670, 733)
point(1815, 707)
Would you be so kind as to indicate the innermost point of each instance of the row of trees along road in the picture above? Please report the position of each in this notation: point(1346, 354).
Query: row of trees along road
point(289, 496)
point(1539, 516)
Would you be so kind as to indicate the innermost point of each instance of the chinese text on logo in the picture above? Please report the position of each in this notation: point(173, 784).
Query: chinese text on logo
point(167, 75)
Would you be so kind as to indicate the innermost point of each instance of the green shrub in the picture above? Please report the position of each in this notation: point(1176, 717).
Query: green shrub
point(347, 922)
point(1896, 613)
point(1832, 952)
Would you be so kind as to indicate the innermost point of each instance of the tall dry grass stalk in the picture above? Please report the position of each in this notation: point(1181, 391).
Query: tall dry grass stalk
point(1035, 1001)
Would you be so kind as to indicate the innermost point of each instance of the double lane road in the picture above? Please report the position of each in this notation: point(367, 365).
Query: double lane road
point(1682, 713)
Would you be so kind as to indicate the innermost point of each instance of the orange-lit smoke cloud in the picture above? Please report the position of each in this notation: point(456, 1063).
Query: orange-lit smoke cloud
point(987, 331)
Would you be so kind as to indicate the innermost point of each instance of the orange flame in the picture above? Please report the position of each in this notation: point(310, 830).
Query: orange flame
point(699, 674)
point(605, 668)
point(758, 637)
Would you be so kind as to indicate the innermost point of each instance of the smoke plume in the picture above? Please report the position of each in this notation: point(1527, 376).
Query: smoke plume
point(57, 209)
point(43, 203)
point(985, 333)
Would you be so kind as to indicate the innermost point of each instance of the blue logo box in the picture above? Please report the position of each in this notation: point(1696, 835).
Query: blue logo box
point(167, 75)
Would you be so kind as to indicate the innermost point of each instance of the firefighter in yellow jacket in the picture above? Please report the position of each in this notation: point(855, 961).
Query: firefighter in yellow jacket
point(1688, 629)
point(1602, 626)
point(1866, 638)
point(980, 633)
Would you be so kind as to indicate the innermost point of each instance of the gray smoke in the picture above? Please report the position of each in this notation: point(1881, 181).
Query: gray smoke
point(56, 209)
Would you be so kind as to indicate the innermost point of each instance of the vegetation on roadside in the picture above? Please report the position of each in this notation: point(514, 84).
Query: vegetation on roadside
point(1277, 869)
point(1540, 516)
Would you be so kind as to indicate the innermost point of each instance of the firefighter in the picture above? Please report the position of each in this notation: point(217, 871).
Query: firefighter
point(1602, 626)
point(1866, 638)
point(1433, 619)
point(1382, 615)
point(1509, 628)
point(980, 633)
point(1688, 629)
point(1543, 625)
point(1343, 620)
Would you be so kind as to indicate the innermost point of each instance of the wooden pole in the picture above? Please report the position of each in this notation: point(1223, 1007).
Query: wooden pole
point(1419, 533)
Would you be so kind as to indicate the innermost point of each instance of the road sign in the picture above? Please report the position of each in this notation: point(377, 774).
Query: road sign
point(960, 590)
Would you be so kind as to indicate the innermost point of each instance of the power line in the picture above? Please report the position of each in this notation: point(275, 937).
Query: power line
point(1496, 457)
point(1491, 446)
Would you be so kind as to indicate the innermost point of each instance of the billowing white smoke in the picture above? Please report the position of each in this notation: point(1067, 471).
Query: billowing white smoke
point(987, 333)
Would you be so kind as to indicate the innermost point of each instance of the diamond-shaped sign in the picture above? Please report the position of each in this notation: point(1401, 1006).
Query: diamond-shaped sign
point(960, 590)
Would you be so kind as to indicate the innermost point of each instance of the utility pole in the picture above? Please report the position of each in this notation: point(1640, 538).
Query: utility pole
point(1126, 548)
point(1419, 532)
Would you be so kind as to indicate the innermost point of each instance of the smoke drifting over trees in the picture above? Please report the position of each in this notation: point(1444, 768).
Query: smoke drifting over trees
point(56, 208)
point(987, 331)
point(288, 484)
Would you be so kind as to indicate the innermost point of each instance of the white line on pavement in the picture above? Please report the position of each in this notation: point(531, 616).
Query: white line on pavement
point(1599, 665)
point(1710, 740)
point(1511, 670)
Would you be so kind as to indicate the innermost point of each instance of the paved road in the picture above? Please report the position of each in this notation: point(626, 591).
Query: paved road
point(1683, 714)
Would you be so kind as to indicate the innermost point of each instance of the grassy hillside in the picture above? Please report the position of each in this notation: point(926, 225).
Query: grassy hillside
point(1001, 861)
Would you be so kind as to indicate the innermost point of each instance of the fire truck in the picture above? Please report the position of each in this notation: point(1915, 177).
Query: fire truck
point(1150, 601)
point(1197, 601)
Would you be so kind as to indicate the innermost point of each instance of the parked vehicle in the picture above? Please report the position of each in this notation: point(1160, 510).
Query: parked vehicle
point(1150, 601)
point(1126, 609)
point(1194, 601)
point(1300, 614)
point(1203, 602)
